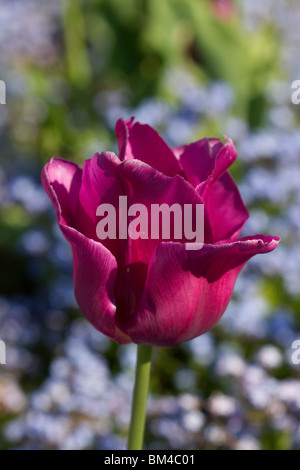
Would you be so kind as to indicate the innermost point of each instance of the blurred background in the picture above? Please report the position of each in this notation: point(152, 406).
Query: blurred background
point(191, 69)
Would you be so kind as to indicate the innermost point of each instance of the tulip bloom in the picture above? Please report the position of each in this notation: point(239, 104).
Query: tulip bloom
point(150, 291)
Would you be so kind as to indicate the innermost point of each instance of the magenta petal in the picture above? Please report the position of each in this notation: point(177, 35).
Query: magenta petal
point(224, 160)
point(227, 212)
point(64, 178)
point(62, 181)
point(145, 185)
point(101, 184)
point(122, 133)
point(95, 273)
point(95, 268)
point(187, 292)
point(205, 163)
point(143, 143)
point(198, 159)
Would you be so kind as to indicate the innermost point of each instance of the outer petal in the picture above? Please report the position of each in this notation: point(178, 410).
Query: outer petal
point(62, 181)
point(205, 163)
point(79, 192)
point(95, 268)
point(187, 292)
point(95, 274)
point(227, 212)
point(140, 141)
point(224, 160)
point(101, 184)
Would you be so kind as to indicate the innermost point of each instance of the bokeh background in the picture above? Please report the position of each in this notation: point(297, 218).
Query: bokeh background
point(191, 69)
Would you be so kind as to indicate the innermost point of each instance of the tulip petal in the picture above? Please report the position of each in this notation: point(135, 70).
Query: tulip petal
point(224, 160)
point(122, 133)
point(95, 274)
point(187, 292)
point(64, 178)
point(101, 184)
point(145, 185)
point(95, 268)
point(227, 212)
point(198, 159)
point(141, 142)
point(205, 163)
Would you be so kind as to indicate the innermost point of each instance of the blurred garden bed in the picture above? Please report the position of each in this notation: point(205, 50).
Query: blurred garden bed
point(191, 69)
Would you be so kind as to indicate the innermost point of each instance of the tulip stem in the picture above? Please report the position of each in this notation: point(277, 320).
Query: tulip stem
point(140, 395)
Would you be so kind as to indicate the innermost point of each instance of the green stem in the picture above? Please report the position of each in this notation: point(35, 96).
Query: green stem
point(140, 395)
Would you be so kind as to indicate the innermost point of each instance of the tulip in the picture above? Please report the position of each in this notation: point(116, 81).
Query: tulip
point(148, 291)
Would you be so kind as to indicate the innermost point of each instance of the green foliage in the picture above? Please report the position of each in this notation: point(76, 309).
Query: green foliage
point(105, 46)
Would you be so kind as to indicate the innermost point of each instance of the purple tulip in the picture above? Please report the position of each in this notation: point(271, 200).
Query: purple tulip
point(152, 291)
